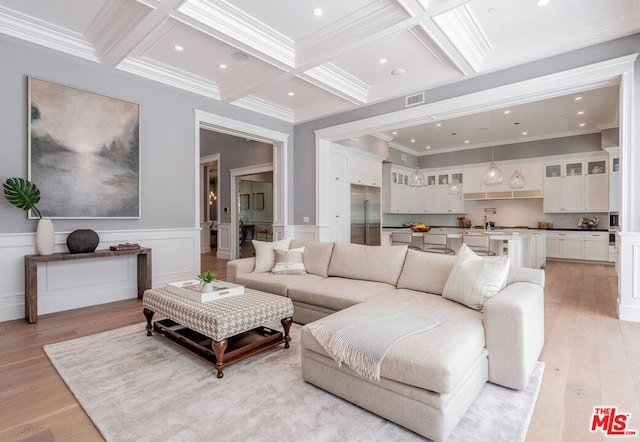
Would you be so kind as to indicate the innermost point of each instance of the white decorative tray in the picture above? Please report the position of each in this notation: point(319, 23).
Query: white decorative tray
point(192, 289)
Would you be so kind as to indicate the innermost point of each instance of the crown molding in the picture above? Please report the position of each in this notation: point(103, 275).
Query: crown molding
point(34, 30)
point(336, 80)
point(171, 76)
point(235, 23)
point(265, 107)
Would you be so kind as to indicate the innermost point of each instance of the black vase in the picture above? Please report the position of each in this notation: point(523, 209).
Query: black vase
point(82, 241)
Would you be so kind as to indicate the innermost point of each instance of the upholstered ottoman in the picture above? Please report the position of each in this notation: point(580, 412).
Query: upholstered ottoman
point(234, 327)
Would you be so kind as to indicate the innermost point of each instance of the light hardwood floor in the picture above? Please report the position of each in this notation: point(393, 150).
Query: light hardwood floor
point(591, 358)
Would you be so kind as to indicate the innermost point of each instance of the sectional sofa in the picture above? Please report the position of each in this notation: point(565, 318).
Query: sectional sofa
point(428, 380)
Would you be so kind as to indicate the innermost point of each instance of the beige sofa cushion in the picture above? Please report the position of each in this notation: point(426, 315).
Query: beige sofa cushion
point(425, 272)
point(437, 359)
point(475, 279)
point(264, 253)
point(276, 284)
point(317, 255)
point(369, 263)
point(337, 293)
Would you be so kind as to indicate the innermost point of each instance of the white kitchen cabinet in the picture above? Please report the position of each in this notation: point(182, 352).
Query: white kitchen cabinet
point(397, 195)
point(596, 193)
point(564, 244)
point(364, 171)
point(341, 212)
point(576, 186)
point(588, 245)
point(339, 165)
point(596, 246)
point(614, 185)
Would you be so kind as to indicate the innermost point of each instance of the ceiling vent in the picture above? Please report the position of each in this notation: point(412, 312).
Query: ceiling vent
point(414, 100)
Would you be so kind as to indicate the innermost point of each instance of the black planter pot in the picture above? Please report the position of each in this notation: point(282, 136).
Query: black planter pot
point(82, 241)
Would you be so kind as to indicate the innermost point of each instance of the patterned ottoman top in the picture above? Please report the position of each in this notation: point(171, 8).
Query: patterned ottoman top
point(222, 318)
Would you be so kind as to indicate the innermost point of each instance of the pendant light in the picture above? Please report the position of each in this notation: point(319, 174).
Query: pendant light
point(416, 179)
point(455, 187)
point(517, 179)
point(493, 175)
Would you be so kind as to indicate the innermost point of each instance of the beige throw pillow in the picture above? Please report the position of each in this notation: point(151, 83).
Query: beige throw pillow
point(264, 253)
point(473, 279)
point(289, 262)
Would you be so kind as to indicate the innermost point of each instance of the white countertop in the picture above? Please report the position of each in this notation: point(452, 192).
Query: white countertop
point(454, 232)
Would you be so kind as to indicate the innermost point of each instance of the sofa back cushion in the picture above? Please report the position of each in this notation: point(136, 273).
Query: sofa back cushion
point(317, 256)
point(426, 272)
point(370, 263)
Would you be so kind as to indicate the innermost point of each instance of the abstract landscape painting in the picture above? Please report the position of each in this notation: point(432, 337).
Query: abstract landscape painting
point(84, 152)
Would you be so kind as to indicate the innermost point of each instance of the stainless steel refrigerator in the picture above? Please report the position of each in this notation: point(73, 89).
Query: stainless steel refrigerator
point(365, 215)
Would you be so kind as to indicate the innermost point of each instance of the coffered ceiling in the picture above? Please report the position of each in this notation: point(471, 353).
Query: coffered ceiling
point(299, 60)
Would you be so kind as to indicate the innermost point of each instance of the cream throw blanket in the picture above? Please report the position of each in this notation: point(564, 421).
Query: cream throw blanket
point(362, 343)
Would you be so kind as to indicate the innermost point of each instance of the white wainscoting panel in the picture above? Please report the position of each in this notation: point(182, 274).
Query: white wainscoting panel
point(66, 285)
point(224, 241)
point(629, 277)
point(304, 232)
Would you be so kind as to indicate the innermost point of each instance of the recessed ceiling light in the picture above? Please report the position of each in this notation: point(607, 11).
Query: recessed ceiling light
point(178, 48)
point(583, 124)
point(428, 147)
point(239, 56)
point(413, 140)
point(394, 133)
point(507, 112)
point(542, 2)
point(439, 124)
point(525, 133)
point(466, 141)
point(222, 66)
point(291, 94)
point(318, 12)
point(383, 60)
point(580, 112)
point(399, 71)
point(578, 98)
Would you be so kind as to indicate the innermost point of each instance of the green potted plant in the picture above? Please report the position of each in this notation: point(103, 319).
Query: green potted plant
point(206, 279)
point(25, 195)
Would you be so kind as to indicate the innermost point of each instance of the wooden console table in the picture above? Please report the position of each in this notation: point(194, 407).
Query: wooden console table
point(31, 273)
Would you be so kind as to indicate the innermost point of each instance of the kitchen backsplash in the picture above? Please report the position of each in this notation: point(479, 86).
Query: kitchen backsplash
point(515, 212)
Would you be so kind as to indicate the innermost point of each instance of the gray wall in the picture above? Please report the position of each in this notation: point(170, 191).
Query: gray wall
point(234, 152)
point(167, 135)
point(305, 137)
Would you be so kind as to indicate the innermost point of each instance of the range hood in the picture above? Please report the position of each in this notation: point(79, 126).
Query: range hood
point(502, 195)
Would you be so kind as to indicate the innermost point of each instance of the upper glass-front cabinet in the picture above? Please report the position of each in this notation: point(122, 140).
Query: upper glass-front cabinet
point(553, 171)
point(597, 167)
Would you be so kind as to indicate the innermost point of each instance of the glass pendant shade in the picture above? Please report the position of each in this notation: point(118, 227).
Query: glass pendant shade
point(493, 175)
point(517, 180)
point(455, 187)
point(417, 178)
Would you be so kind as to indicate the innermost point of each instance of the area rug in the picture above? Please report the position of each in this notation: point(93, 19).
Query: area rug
point(140, 388)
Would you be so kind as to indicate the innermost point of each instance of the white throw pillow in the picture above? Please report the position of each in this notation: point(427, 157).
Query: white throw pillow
point(264, 253)
point(289, 262)
point(475, 279)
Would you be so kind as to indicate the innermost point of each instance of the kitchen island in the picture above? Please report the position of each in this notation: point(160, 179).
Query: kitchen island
point(526, 248)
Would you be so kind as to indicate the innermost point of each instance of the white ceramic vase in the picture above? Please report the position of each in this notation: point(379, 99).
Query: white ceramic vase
point(45, 237)
point(207, 288)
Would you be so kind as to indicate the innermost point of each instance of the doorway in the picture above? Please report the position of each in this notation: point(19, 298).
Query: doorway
point(254, 210)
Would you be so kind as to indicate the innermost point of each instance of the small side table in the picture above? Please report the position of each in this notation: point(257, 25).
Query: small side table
point(31, 273)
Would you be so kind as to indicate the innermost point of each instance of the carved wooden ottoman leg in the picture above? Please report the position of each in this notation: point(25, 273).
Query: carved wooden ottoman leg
point(148, 314)
point(219, 347)
point(286, 324)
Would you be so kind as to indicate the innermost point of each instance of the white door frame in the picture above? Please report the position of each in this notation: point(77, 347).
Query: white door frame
point(235, 173)
point(280, 142)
